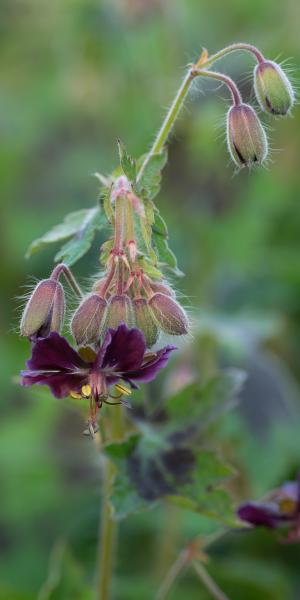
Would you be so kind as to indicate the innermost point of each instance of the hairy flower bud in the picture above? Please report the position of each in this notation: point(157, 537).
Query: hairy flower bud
point(246, 137)
point(157, 286)
point(169, 315)
point(120, 310)
point(87, 320)
point(272, 88)
point(45, 309)
point(145, 322)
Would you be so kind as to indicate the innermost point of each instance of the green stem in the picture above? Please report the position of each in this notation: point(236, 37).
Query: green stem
point(235, 93)
point(208, 581)
point(179, 99)
point(108, 533)
point(169, 120)
point(180, 563)
point(233, 48)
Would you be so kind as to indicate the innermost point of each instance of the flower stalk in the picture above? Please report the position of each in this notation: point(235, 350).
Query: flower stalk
point(108, 527)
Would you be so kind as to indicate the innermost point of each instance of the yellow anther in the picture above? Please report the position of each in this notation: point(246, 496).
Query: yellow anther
point(287, 506)
point(86, 391)
point(122, 389)
point(75, 395)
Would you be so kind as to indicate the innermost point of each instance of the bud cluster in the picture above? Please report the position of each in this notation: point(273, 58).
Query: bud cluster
point(123, 294)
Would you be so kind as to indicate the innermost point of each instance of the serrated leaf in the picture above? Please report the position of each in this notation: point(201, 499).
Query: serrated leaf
point(80, 226)
point(149, 183)
point(203, 494)
point(128, 164)
point(151, 467)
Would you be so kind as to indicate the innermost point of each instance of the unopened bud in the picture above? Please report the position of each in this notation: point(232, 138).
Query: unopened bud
point(272, 88)
point(246, 137)
point(87, 320)
point(156, 286)
point(120, 310)
point(145, 321)
point(169, 315)
point(45, 309)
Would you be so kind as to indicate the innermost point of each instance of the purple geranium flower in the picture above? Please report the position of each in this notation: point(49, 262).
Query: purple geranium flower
point(89, 374)
point(281, 509)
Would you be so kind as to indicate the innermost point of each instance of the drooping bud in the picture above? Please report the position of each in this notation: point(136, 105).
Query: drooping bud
point(157, 286)
point(169, 315)
point(87, 320)
point(246, 137)
point(120, 310)
point(45, 309)
point(145, 321)
point(273, 89)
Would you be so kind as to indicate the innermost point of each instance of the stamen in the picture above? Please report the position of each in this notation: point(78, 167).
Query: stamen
point(75, 395)
point(86, 391)
point(123, 389)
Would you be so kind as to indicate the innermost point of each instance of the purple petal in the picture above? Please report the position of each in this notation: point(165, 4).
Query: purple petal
point(260, 514)
point(60, 384)
point(56, 364)
point(126, 349)
point(149, 370)
point(54, 353)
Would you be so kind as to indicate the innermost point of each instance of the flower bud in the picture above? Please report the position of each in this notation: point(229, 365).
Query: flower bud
point(169, 315)
point(246, 137)
point(87, 320)
point(120, 310)
point(145, 322)
point(157, 286)
point(44, 311)
point(272, 88)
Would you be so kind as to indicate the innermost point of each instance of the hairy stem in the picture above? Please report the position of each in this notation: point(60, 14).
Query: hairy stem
point(63, 269)
point(119, 223)
point(208, 581)
point(228, 50)
point(107, 543)
point(175, 570)
point(235, 93)
point(179, 99)
point(169, 120)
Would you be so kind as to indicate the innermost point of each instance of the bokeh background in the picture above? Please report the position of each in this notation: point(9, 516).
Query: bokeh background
point(77, 74)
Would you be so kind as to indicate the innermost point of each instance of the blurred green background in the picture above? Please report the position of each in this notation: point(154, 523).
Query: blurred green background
point(77, 74)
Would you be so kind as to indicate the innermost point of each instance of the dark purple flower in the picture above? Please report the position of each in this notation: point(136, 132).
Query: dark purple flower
point(88, 373)
point(281, 509)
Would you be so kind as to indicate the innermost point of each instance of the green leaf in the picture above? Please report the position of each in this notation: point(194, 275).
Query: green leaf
point(160, 241)
point(202, 493)
point(80, 227)
point(151, 466)
point(125, 499)
point(128, 164)
point(149, 183)
point(149, 268)
point(201, 404)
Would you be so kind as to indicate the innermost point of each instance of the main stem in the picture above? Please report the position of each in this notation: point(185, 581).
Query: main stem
point(169, 120)
point(108, 525)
